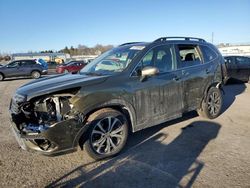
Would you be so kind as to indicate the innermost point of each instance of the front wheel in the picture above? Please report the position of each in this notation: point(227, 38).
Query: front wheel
point(211, 104)
point(107, 133)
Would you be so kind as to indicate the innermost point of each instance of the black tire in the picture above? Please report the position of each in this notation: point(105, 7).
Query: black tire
point(107, 134)
point(35, 74)
point(1, 77)
point(211, 105)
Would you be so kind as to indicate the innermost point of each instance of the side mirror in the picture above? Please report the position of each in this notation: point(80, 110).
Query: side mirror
point(148, 71)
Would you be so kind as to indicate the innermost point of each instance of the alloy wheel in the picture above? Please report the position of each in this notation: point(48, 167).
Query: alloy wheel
point(214, 103)
point(107, 135)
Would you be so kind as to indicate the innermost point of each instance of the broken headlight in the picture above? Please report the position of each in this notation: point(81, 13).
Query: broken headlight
point(19, 98)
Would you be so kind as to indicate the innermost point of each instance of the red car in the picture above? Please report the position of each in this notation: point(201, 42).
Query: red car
point(72, 66)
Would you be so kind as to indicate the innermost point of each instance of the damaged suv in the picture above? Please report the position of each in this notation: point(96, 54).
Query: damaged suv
point(130, 87)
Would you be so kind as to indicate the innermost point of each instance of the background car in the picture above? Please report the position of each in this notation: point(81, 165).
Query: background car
point(52, 64)
point(1, 65)
point(22, 68)
point(72, 66)
point(238, 67)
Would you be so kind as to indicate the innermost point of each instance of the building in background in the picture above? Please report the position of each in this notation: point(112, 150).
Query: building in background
point(241, 50)
point(57, 57)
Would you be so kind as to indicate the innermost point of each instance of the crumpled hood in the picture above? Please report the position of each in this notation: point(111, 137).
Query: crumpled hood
point(57, 83)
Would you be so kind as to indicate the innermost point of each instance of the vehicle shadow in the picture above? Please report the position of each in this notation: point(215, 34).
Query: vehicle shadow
point(16, 78)
point(231, 91)
point(157, 161)
point(26, 78)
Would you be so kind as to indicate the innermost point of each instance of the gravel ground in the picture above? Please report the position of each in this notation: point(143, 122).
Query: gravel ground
point(190, 151)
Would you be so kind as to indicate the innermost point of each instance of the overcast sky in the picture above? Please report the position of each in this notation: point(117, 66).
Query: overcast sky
point(34, 25)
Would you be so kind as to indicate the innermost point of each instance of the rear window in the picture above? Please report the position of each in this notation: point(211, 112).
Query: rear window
point(208, 53)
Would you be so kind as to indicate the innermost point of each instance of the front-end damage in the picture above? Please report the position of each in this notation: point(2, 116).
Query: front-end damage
point(47, 124)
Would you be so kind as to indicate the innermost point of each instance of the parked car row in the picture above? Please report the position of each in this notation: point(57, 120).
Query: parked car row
point(71, 66)
point(36, 68)
point(130, 87)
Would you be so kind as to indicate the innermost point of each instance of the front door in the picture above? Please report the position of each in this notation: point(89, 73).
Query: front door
point(12, 69)
point(157, 98)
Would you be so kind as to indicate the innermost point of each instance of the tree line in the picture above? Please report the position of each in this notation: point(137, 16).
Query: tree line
point(79, 50)
point(84, 50)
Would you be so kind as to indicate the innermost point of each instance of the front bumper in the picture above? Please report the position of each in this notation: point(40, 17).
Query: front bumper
point(44, 72)
point(58, 139)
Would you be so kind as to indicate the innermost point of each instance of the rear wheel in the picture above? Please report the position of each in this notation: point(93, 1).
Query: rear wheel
point(1, 77)
point(211, 104)
point(35, 74)
point(107, 134)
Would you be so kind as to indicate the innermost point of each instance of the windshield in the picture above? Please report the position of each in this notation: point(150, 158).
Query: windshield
point(112, 61)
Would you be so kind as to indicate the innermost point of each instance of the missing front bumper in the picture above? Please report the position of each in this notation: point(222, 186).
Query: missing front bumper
point(61, 138)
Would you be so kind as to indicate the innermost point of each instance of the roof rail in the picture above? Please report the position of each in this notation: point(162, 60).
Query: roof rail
point(185, 38)
point(129, 43)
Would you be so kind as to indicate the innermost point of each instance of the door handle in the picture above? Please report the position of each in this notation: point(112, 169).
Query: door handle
point(185, 73)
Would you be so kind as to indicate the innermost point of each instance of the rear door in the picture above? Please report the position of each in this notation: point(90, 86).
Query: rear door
point(27, 67)
point(193, 74)
point(159, 97)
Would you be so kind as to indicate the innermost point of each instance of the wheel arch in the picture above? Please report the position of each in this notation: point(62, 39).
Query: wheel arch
point(119, 105)
point(35, 70)
point(2, 74)
point(213, 84)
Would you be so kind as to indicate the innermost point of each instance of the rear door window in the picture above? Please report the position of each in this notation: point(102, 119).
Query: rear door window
point(188, 55)
point(208, 53)
point(28, 63)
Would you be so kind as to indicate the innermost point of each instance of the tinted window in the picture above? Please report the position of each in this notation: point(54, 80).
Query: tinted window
point(148, 59)
point(28, 63)
point(243, 60)
point(14, 64)
point(208, 53)
point(188, 56)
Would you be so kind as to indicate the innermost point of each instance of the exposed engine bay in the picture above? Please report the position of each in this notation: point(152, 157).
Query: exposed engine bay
point(42, 113)
point(38, 117)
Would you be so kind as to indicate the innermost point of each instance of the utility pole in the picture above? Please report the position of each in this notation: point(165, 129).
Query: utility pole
point(212, 37)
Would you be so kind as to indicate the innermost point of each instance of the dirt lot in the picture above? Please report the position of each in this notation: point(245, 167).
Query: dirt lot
point(190, 151)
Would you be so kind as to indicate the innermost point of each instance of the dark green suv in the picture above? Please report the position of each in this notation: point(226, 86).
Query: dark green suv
point(130, 87)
